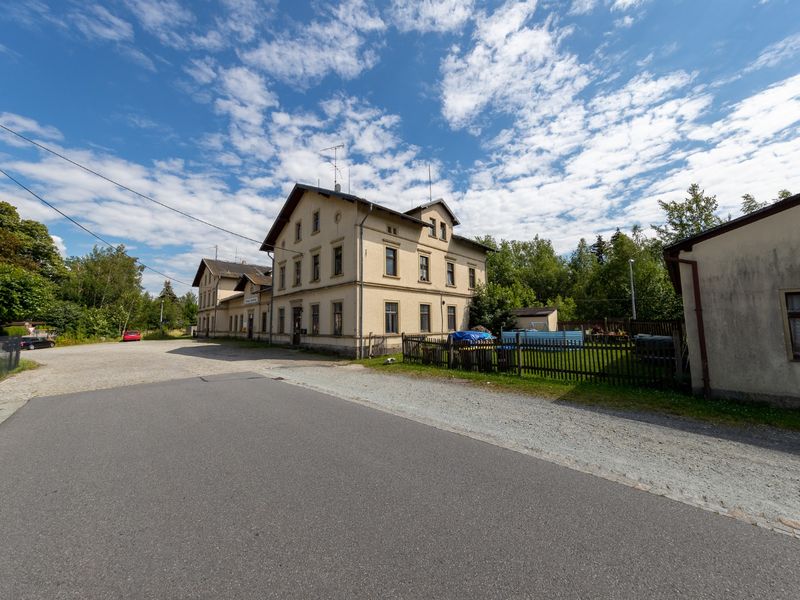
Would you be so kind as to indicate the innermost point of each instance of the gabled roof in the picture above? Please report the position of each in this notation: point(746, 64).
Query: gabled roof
point(534, 311)
point(260, 280)
point(223, 268)
point(294, 199)
point(672, 252)
point(440, 201)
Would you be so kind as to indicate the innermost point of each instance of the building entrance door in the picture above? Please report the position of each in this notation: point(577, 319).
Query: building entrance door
point(297, 321)
point(250, 326)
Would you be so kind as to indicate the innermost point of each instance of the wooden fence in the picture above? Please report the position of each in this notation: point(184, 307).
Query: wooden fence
point(644, 361)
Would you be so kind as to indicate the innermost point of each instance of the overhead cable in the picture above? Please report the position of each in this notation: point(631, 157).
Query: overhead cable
point(86, 229)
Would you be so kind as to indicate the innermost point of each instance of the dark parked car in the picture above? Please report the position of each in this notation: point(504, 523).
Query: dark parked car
point(31, 342)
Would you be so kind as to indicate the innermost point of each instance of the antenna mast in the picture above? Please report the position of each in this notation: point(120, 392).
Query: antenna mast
point(334, 163)
point(430, 185)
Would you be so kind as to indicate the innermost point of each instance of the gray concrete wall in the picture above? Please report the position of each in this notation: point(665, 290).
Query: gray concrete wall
point(744, 275)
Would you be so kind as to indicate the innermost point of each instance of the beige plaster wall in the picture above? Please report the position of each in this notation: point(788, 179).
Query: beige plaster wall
point(743, 277)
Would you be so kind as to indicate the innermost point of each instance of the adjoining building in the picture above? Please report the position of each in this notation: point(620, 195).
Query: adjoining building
point(350, 272)
point(540, 318)
point(233, 299)
point(740, 284)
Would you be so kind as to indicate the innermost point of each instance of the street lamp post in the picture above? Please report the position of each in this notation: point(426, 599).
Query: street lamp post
point(633, 290)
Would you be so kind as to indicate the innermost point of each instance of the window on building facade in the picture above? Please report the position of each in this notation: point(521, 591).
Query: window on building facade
point(471, 277)
point(424, 270)
point(315, 267)
point(443, 230)
point(391, 261)
point(793, 314)
point(424, 317)
point(432, 232)
point(298, 272)
point(315, 222)
point(298, 231)
point(263, 322)
point(281, 320)
point(337, 318)
point(337, 260)
point(391, 310)
point(282, 276)
point(451, 273)
point(315, 319)
point(230, 323)
point(451, 318)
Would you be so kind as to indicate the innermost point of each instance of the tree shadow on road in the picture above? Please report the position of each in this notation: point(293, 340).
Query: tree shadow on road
point(234, 351)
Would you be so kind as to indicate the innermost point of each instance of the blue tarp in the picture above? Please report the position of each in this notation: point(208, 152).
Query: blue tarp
point(470, 336)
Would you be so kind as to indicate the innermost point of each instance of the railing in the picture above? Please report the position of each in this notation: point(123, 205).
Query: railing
point(9, 354)
point(628, 326)
point(647, 361)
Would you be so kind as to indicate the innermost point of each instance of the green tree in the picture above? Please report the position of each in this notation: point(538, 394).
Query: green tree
point(693, 215)
point(103, 277)
point(783, 195)
point(750, 204)
point(28, 244)
point(23, 294)
point(492, 304)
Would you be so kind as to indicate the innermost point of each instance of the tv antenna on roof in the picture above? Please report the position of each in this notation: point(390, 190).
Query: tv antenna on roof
point(336, 169)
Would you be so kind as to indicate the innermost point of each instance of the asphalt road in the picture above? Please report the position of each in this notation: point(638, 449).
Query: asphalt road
point(239, 486)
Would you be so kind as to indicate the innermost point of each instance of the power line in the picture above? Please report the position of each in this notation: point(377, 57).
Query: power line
point(86, 229)
point(125, 187)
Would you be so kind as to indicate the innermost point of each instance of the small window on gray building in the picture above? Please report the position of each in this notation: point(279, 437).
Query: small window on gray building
point(443, 230)
point(281, 320)
point(793, 314)
point(471, 277)
point(315, 222)
point(451, 273)
point(433, 228)
point(298, 272)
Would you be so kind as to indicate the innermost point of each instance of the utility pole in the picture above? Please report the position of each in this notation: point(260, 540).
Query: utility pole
point(633, 291)
point(161, 316)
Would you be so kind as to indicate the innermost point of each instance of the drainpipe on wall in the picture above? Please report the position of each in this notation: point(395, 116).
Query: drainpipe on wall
point(271, 294)
point(698, 309)
point(361, 284)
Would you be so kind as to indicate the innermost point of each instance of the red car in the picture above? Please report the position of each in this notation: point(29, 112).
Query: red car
point(132, 336)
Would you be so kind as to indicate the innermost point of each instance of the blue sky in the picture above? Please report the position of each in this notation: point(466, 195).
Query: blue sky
point(564, 119)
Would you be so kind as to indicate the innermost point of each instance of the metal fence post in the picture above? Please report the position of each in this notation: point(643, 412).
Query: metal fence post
point(519, 356)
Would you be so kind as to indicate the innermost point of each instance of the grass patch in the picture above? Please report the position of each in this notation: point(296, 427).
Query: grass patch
point(68, 340)
point(24, 365)
point(157, 334)
point(622, 398)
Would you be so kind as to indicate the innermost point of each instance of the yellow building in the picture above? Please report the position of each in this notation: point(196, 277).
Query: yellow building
point(350, 276)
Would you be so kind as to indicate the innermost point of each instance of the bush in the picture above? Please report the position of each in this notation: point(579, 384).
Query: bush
point(15, 330)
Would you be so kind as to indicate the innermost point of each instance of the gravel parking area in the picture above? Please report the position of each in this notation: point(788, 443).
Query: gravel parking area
point(749, 474)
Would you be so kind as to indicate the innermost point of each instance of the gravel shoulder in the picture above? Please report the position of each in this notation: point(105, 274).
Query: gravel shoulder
point(749, 474)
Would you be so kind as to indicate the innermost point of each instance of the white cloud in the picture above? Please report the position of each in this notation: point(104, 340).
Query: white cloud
point(163, 18)
point(582, 7)
point(26, 125)
point(626, 4)
point(431, 15)
point(512, 66)
point(776, 53)
point(97, 23)
point(336, 45)
point(60, 245)
point(202, 70)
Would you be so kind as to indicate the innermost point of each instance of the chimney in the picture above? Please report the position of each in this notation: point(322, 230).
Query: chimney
point(337, 187)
